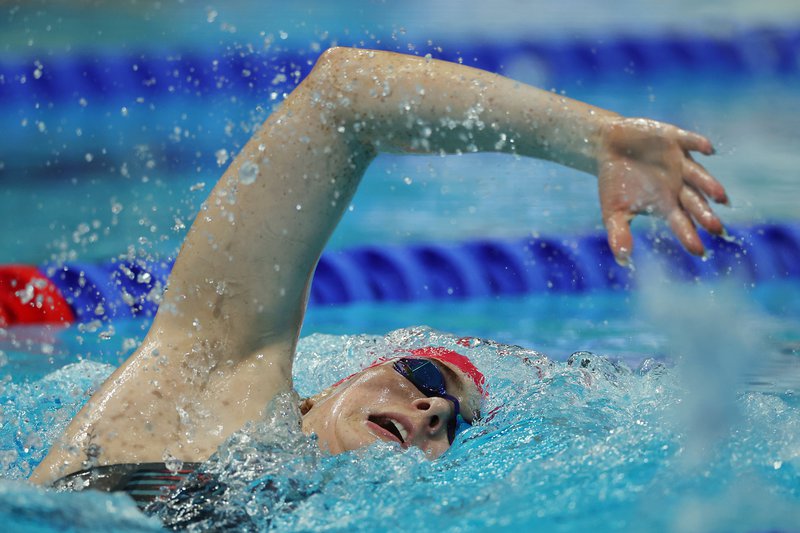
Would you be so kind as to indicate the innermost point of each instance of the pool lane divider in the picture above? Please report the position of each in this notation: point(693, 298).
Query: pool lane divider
point(481, 268)
point(154, 74)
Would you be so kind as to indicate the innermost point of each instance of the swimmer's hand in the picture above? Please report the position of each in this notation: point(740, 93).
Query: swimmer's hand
point(644, 167)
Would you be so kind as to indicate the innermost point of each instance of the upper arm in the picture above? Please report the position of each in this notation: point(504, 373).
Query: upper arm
point(241, 279)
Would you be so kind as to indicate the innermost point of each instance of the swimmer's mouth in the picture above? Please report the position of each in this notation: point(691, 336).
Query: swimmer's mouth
point(391, 425)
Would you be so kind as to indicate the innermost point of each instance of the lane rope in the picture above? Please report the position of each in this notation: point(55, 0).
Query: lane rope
point(758, 51)
point(482, 268)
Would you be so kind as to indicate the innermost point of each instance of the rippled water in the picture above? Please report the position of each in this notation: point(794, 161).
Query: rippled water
point(564, 446)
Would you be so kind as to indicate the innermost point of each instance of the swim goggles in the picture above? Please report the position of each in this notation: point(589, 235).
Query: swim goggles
point(427, 377)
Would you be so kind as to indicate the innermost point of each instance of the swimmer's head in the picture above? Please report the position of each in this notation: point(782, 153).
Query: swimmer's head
point(415, 399)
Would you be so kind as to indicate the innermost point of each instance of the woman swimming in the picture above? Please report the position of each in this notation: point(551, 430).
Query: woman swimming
point(223, 341)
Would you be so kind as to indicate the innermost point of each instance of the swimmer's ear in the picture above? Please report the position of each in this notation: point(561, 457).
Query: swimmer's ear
point(305, 405)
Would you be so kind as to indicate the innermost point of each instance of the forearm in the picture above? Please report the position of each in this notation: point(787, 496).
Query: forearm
point(403, 103)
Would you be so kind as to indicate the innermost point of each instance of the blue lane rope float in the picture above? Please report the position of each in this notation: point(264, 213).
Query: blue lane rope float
point(67, 111)
point(435, 271)
point(49, 79)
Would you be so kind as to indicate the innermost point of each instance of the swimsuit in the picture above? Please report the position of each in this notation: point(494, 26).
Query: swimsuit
point(144, 482)
point(179, 498)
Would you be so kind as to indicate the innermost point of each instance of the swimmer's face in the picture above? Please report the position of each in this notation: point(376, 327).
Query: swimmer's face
point(380, 404)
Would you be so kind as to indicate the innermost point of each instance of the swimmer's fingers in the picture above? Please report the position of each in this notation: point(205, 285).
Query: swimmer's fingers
point(691, 141)
point(697, 206)
point(620, 238)
point(700, 179)
point(683, 228)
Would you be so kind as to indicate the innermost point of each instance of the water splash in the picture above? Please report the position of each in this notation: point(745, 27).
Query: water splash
point(35, 413)
point(562, 446)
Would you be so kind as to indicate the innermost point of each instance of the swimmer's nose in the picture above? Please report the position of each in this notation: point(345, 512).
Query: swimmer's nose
point(436, 413)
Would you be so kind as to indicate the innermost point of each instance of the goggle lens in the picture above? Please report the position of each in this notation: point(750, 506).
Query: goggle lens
point(428, 379)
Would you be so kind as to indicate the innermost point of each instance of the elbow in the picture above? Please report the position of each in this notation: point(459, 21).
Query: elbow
point(336, 55)
point(330, 64)
point(328, 81)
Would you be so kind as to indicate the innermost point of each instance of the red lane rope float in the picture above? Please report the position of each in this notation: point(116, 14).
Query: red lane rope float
point(28, 297)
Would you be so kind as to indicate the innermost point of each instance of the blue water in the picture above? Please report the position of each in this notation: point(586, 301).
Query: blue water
point(682, 415)
point(587, 441)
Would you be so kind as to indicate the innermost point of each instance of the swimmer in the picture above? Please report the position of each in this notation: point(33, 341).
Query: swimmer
point(222, 344)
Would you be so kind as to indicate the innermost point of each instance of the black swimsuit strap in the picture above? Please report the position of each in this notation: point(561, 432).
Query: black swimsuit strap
point(142, 481)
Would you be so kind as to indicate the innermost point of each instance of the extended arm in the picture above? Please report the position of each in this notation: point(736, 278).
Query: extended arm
point(262, 240)
point(243, 272)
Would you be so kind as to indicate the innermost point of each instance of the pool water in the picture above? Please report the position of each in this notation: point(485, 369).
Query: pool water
point(670, 408)
point(97, 211)
point(685, 426)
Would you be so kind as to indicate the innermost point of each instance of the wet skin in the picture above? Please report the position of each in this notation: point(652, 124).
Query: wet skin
point(380, 404)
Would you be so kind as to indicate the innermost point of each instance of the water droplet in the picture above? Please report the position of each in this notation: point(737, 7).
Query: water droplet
point(222, 156)
point(248, 173)
point(173, 464)
point(25, 295)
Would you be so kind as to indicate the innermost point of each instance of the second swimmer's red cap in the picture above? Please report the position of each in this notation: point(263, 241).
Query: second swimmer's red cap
point(461, 362)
